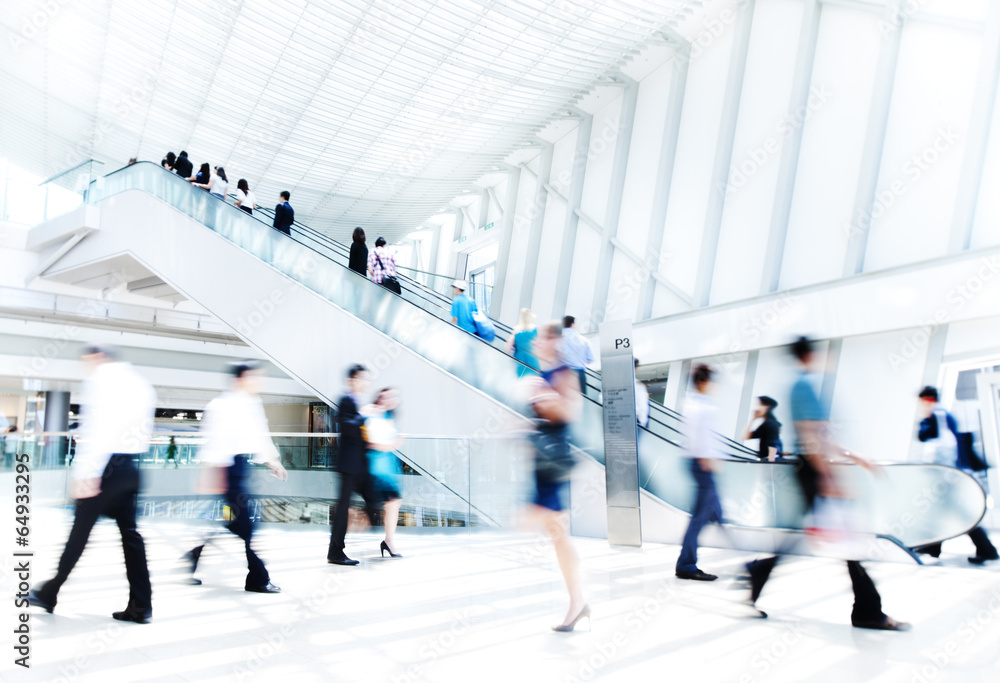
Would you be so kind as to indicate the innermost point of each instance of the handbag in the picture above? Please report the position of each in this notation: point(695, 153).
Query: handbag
point(554, 459)
point(968, 459)
point(389, 281)
point(484, 326)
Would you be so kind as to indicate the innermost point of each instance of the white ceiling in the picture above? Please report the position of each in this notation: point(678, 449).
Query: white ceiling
point(371, 112)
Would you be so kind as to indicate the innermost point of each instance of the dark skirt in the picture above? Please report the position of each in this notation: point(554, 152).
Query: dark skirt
point(552, 495)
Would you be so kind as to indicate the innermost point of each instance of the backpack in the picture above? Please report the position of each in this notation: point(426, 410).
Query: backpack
point(484, 326)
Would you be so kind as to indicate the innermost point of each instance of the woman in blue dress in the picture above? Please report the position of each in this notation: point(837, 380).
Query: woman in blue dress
point(383, 439)
point(522, 340)
point(555, 400)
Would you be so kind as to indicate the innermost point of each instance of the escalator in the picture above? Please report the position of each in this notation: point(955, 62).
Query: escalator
point(295, 300)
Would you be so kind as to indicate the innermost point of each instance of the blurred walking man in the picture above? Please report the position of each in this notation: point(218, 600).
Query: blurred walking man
point(702, 448)
point(118, 406)
point(236, 430)
point(817, 478)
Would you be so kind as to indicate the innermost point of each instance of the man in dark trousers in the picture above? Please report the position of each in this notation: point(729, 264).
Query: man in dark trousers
point(236, 430)
point(351, 464)
point(939, 432)
point(818, 478)
point(117, 420)
point(183, 166)
point(284, 215)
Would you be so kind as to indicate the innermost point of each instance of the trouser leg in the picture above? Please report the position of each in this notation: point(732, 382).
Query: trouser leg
point(867, 601)
point(706, 510)
point(239, 502)
point(338, 530)
point(369, 493)
point(87, 512)
point(136, 568)
point(760, 571)
point(984, 548)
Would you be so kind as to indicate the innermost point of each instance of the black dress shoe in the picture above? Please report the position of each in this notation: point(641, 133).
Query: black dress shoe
point(269, 588)
point(696, 575)
point(127, 615)
point(886, 624)
point(343, 561)
point(35, 599)
point(980, 560)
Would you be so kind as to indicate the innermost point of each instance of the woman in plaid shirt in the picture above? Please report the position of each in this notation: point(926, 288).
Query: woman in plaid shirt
point(381, 263)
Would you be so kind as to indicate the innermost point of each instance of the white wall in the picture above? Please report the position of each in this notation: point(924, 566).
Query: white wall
point(930, 104)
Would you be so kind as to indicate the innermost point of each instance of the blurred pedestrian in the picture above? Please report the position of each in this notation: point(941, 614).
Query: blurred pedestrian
point(284, 215)
point(244, 197)
point(702, 447)
point(236, 430)
point(940, 436)
point(462, 307)
point(351, 464)
point(171, 453)
point(168, 162)
point(818, 479)
point(764, 427)
point(522, 340)
point(576, 351)
point(556, 403)
point(641, 397)
point(358, 261)
point(383, 439)
point(118, 406)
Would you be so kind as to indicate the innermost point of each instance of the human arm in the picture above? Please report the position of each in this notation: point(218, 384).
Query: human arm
point(240, 196)
point(814, 436)
point(560, 402)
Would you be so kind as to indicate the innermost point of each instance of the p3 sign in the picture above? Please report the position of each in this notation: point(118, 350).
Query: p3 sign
point(622, 343)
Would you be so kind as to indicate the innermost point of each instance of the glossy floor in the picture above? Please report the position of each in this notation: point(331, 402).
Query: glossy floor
point(478, 607)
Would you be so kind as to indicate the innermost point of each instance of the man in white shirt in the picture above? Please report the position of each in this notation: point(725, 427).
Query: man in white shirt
point(118, 407)
point(702, 447)
point(236, 429)
point(575, 351)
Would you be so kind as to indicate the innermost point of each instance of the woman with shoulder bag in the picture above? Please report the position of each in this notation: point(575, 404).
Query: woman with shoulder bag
point(555, 400)
point(382, 267)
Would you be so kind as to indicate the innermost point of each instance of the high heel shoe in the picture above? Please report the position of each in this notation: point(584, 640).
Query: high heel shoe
point(566, 628)
point(386, 549)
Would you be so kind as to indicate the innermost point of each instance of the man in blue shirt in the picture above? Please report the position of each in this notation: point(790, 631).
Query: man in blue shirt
point(817, 478)
point(462, 308)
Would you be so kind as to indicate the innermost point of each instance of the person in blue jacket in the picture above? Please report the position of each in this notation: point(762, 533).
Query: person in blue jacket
point(939, 433)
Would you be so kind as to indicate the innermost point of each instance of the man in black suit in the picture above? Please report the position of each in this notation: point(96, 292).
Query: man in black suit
point(183, 166)
point(351, 464)
point(284, 216)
